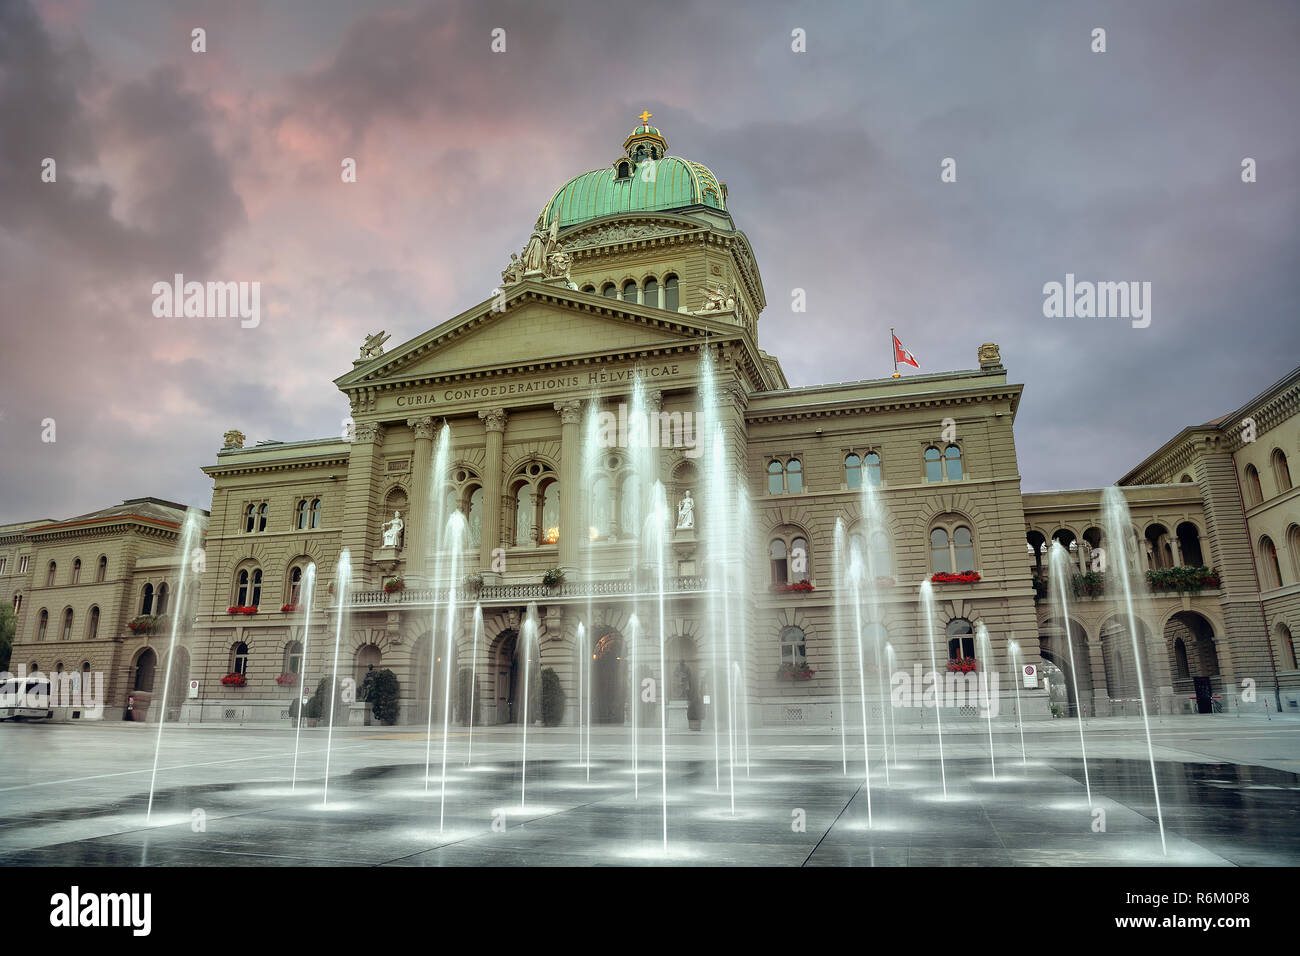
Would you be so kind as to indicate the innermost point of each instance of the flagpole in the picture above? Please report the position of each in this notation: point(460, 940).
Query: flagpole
point(893, 350)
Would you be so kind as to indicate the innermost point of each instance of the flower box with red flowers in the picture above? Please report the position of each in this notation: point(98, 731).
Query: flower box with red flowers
point(801, 586)
point(242, 609)
point(945, 577)
point(962, 665)
point(144, 624)
point(800, 671)
point(288, 609)
point(234, 680)
point(287, 679)
point(393, 585)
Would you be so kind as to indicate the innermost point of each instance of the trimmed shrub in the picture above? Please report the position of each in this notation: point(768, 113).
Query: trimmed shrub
point(552, 698)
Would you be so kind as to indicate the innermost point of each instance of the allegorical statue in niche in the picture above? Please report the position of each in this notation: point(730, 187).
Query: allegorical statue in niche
point(393, 531)
point(686, 511)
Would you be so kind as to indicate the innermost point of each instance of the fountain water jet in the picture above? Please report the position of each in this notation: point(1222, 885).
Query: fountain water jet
point(1013, 650)
point(927, 602)
point(855, 581)
point(1123, 559)
point(1058, 566)
point(530, 632)
point(454, 536)
point(434, 507)
point(189, 533)
point(473, 680)
point(982, 640)
point(841, 587)
point(343, 580)
point(308, 597)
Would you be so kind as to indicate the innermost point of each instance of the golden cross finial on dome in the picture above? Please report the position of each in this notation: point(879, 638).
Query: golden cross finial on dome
point(645, 117)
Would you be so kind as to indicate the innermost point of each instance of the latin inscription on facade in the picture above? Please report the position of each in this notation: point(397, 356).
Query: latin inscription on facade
point(534, 386)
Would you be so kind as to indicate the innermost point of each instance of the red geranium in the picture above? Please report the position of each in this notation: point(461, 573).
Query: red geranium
point(946, 577)
point(802, 586)
point(234, 680)
point(962, 665)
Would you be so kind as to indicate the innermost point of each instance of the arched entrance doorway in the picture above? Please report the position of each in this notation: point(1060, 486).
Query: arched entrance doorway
point(1194, 657)
point(609, 678)
point(143, 675)
point(1055, 646)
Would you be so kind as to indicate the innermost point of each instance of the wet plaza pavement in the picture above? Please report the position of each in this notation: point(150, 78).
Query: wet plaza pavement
point(78, 796)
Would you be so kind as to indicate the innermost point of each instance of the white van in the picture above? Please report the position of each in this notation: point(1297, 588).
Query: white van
point(25, 698)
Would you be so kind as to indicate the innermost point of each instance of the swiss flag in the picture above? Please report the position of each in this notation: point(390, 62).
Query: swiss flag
point(903, 355)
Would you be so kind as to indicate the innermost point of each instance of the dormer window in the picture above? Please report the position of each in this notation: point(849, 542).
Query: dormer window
point(624, 170)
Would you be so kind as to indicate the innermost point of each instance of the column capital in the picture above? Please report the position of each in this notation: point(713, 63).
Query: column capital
point(422, 426)
point(494, 419)
point(371, 433)
point(570, 411)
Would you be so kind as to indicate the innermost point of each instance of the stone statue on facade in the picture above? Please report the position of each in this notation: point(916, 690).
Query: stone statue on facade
point(373, 346)
point(717, 299)
point(512, 272)
point(559, 264)
point(540, 246)
point(393, 531)
point(233, 439)
point(686, 511)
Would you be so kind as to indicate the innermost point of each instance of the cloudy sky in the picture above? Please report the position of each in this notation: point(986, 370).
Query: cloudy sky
point(1123, 165)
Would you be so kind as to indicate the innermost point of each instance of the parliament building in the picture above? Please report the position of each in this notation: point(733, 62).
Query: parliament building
point(633, 271)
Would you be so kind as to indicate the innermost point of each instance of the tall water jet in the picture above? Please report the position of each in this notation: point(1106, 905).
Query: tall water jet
point(986, 651)
point(1013, 652)
point(530, 633)
point(434, 507)
point(893, 723)
point(855, 583)
point(308, 597)
point(659, 522)
point(343, 585)
point(634, 697)
point(1059, 569)
point(599, 514)
point(473, 680)
point(840, 555)
point(927, 603)
point(743, 525)
point(876, 561)
point(189, 535)
point(580, 638)
point(454, 536)
point(1122, 554)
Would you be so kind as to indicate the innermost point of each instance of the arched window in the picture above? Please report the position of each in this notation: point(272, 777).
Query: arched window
point(302, 515)
point(315, 513)
point(599, 509)
point(775, 478)
point(630, 507)
point(257, 587)
point(261, 516)
point(794, 645)
point(1293, 545)
point(610, 291)
point(49, 575)
point(933, 465)
point(293, 657)
point(629, 290)
point(952, 459)
point(852, 471)
point(44, 625)
point(1182, 671)
point(241, 588)
point(670, 293)
point(144, 670)
point(940, 561)
point(1281, 472)
point(871, 467)
point(952, 545)
point(239, 659)
point(961, 639)
point(776, 554)
point(650, 292)
point(589, 288)
point(295, 585)
point(1268, 557)
point(624, 171)
point(76, 571)
point(92, 629)
point(67, 624)
point(18, 601)
point(794, 476)
point(163, 592)
point(1189, 543)
point(103, 568)
point(250, 519)
point(1254, 493)
point(146, 600)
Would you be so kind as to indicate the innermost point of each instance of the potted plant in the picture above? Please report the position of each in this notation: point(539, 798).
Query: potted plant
point(797, 671)
point(234, 679)
point(553, 578)
point(381, 690)
point(962, 577)
point(802, 587)
point(288, 608)
point(287, 679)
point(962, 665)
point(393, 585)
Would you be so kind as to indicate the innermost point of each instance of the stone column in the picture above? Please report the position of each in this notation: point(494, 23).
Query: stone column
point(417, 531)
point(494, 421)
point(360, 504)
point(571, 527)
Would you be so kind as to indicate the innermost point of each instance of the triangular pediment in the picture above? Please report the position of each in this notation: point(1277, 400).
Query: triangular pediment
point(540, 324)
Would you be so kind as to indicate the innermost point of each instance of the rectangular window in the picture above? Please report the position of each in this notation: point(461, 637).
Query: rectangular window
point(22, 564)
point(4, 563)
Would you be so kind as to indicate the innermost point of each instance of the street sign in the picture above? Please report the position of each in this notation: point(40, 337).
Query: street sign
point(1031, 675)
point(194, 689)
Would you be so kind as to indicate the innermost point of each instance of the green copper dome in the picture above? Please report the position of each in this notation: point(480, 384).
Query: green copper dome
point(643, 179)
